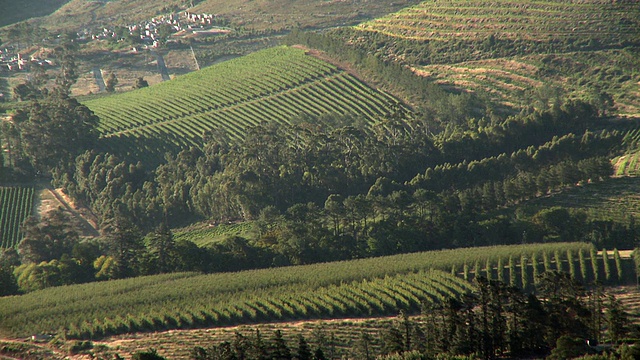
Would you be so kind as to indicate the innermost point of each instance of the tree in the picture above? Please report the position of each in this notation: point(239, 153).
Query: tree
point(110, 84)
point(47, 239)
point(150, 354)
point(66, 55)
point(140, 83)
point(125, 245)
point(54, 131)
point(304, 351)
point(162, 249)
point(8, 284)
point(278, 349)
point(617, 320)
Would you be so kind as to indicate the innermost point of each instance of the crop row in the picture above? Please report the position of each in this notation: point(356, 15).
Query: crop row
point(349, 288)
point(16, 204)
point(232, 97)
point(540, 19)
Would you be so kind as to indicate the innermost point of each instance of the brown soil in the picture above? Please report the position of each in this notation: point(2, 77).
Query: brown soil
point(85, 222)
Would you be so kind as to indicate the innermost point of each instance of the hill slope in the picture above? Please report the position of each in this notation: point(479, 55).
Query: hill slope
point(257, 14)
point(603, 21)
point(274, 85)
point(15, 11)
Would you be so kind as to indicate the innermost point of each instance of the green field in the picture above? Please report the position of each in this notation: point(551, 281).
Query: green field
point(605, 21)
point(355, 288)
point(16, 204)
point(273, 85)
point(205, 234)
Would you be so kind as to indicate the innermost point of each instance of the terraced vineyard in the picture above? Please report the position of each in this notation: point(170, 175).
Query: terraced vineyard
point(333, 290)
point(511, 81)
point(603, 21)
point(274, 85)
point(16, 204)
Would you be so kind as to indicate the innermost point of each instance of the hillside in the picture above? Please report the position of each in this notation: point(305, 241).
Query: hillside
point(346, 289)
point(514, 81)
point(259, 14)
point(12, 12)
point(274, 85)
point(511, 54)
point(605, 22)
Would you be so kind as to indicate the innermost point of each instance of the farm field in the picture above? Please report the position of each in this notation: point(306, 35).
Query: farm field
point(617, 198)
point(206, 234)
point(605, 22)
point(514, 81)
point(231, 97)
point(16, 204)
point(358, 288)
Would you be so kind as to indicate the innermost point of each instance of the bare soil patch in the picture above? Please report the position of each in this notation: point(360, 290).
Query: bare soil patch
point(48, 199)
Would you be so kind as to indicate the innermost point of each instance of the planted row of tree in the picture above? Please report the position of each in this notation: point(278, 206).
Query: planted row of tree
point(359, 287)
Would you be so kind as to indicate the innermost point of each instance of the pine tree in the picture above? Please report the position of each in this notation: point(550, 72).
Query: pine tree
point(304, 351)
point(618, 261)
point(487, 269)
point(583, 266)
point(534, 266)
point(594, 265)
point(546, 261)
point(278, 349)
point(524, 272)
point(512, 272)
point(572, 265)
point(607, 266)
point(558, 259)
point(500, 270)
point(617, 320)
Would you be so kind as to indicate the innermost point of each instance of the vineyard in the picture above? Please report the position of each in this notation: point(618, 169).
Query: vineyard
point(605, 22)
point(273, 85)
point(357, 288)
point(16, 204)
point(511, 81)
point(205, 234)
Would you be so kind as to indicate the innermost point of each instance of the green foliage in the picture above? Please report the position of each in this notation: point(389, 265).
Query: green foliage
point(169, 116)
point(618, 261)
point(594, 265)
point(567, 348)
point(54, 131)
point(545, 27)
point(606, 264)
point(178, 300)
point(16, 204)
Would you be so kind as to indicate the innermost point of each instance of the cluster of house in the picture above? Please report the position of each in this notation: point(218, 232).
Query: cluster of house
point(149, 31)
point(10, 60)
